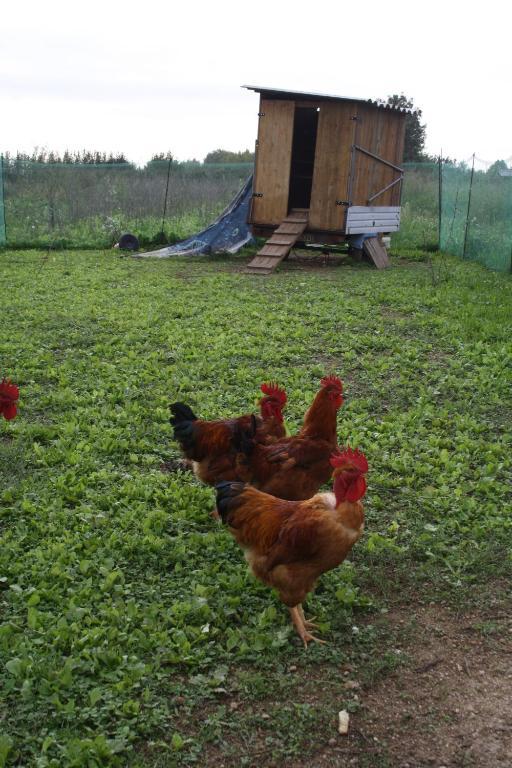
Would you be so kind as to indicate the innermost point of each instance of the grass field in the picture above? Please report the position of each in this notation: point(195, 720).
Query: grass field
point(132, 633)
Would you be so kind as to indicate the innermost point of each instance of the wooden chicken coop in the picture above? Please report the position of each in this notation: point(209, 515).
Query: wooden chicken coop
point(327, 168)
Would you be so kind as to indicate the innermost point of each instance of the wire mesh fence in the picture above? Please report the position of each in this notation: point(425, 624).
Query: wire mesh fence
point(465, 212)
point(3, 239)
point(476, 215)
point(88, 205)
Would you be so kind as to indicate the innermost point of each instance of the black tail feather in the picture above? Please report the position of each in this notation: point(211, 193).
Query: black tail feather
point(181, 412)
point(228, 493)
point(182, 420)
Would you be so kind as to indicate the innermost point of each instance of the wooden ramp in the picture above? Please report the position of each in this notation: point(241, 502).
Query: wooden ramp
point(280, 244)
point(373, 248)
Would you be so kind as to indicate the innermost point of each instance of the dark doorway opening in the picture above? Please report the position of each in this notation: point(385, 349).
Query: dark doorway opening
point(303, 156)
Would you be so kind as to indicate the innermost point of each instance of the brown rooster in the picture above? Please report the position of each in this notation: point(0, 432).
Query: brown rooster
point(210, 445)
point(294, 467)
point(290, 544)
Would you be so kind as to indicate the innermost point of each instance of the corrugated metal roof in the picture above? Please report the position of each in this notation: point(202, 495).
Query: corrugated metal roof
point(281, 93)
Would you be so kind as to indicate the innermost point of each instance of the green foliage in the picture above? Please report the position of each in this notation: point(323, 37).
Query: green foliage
point(495, 168)
point(415, 132)
point(44, 156)
point(127, 611)
point(225, 156)
point(159, 156)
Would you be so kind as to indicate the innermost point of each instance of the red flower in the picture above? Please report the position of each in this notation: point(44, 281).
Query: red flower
point(9, 394)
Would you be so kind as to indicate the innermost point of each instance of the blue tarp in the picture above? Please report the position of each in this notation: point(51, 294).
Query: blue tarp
point(227, 234)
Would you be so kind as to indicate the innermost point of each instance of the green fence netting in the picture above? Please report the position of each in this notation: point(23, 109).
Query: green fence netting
point(86, 205)
point(3, 238)
point(419, 220)
point(489, 228)
point(476, 209)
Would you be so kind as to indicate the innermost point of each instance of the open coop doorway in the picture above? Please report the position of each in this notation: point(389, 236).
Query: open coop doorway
point(305, 127)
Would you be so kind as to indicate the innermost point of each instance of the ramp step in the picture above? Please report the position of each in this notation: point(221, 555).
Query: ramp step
point(290, 228)
point(280, 244)
point(373, 248)
point(274, 250)
point(279, 239)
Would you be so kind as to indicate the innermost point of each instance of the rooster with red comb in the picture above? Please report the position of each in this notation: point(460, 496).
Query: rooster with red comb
point(289, 544)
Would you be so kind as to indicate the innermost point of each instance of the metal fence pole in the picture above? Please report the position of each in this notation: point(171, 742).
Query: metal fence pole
point(466, 230)
point(166, 191)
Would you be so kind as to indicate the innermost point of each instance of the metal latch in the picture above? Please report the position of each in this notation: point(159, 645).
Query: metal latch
point(343, 202)
point(261, 114)
point(257, 194)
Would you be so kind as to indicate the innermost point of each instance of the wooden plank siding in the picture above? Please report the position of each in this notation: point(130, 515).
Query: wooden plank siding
point(382, 134)
point(273, 161)
point(377, 253)
point(334, 140)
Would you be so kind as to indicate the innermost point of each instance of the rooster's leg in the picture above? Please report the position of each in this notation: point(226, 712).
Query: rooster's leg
point(298, 622)
point(308, 623)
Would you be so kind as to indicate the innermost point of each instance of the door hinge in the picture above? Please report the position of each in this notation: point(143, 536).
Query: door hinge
point(261, 114)
point(343, 202)
point(257, 194)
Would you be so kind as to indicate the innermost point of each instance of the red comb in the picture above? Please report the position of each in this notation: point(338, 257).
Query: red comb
point(271, 389)
point(332, 381)
point(9, 390)
point(349, 459)
point(9, 393)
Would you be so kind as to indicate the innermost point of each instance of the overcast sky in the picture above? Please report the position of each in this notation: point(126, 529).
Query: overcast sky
point(147, 77)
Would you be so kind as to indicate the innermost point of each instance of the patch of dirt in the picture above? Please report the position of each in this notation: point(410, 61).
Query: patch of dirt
point(175, 465)
point(450, 705)
point(315, 260)
point(393, 314)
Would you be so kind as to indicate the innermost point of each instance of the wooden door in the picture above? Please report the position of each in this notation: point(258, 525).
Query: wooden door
point(380, 132)
point(273, 160)
point(332, 166)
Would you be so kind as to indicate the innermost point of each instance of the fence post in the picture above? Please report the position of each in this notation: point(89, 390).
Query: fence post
point(3, 228)
point(466, 230)
point(440, 217)
point(166, 191)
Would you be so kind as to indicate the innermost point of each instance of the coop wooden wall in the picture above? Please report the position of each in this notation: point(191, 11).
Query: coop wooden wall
point(331, 172)
point(381, 132)
point(273, 160)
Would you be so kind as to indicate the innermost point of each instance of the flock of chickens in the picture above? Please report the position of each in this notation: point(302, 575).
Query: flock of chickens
point(267, 489)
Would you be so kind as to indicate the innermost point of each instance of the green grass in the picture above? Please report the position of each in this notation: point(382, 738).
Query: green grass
point(129, 617)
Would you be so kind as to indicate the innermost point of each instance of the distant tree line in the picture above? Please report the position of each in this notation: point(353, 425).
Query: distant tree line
point(79, 157)
point(414, 150)
point(225, 156)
